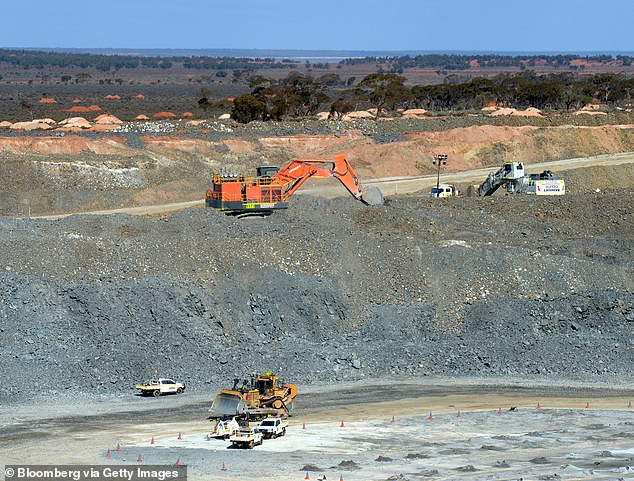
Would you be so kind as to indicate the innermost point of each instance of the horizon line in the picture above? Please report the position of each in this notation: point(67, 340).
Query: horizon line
point(329, 51)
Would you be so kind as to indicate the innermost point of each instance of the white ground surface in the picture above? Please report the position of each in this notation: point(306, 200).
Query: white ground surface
point(561, 441)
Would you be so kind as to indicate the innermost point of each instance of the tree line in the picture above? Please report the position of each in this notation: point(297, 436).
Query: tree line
point(464, 62)
point(38, 59)
point(395, 64)
point(299, 96)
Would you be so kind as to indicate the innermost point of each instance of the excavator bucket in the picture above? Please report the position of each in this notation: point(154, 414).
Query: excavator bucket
point(228, 404)
point(371, 195)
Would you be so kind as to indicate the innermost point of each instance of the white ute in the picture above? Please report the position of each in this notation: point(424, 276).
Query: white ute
point(156, 387)
point(444, 190)
point(246, 438)
point(272, 427)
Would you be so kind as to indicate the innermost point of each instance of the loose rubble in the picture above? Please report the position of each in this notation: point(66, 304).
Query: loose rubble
point(330, 290)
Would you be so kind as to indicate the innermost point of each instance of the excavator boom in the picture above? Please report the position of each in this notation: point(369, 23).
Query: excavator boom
point(294, 174)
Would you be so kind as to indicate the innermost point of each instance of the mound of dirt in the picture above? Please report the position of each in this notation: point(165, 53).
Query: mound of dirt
point(77, 109)
point(76, 122)
point(47, 101)
point(359, 114)
point(33, 125)
point(503, 286)
point(163, 115)
point(503, 111)
point(107, 119)
point(588, 112)
point(530, 112)
point(500, 111)
point(414, 113)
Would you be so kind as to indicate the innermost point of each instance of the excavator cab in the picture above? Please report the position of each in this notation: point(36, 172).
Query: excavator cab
point(267, 170)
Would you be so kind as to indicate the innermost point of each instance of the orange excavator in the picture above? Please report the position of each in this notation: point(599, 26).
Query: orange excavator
point(271, 188)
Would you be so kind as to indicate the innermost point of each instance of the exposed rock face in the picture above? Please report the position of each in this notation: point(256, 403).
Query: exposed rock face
point(503, 286)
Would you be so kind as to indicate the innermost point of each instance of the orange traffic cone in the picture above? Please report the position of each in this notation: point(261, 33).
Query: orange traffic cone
point(108, 453)
point(459, 414)
point(118, 447)
point(342, 424)
point(139, 458)
point(304, 426)
point(223, 467)
point(393, 420)
point(431, 416)
point(152, 441)
point(180, 436)
point(306, 477)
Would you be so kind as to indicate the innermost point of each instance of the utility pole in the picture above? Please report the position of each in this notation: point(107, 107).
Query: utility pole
point(439, 159)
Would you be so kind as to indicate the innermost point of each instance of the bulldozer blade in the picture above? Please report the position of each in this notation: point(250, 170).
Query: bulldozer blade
point(226, 404)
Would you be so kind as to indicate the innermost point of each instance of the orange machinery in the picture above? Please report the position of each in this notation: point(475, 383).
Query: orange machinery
point(273, 186)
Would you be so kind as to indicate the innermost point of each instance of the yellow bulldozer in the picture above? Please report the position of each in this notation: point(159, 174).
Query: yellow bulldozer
point(259, 396)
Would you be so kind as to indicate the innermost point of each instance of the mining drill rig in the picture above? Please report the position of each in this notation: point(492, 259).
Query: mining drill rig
point(512, 177)
point(272, 187)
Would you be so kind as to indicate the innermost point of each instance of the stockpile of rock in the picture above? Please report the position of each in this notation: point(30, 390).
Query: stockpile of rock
point(101, 123)
point(326, 291)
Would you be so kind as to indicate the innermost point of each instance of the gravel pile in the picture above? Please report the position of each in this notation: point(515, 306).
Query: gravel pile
point(328, 290)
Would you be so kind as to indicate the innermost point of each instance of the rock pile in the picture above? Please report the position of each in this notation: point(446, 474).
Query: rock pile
point(329, 290)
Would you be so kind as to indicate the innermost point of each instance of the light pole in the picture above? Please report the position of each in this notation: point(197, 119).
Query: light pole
point(439, 159)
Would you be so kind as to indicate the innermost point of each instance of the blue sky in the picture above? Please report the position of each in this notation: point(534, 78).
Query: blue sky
point(499, 25)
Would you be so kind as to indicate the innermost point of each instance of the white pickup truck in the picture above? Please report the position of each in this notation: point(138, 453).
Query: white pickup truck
point(156, 387)
point(246, 438)
point(272, 427)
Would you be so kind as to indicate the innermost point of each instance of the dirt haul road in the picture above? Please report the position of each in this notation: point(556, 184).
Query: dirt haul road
point(406, 430)
point(409, 185)
point(388, 185)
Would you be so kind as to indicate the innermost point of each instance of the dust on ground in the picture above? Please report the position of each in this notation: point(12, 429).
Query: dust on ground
point(500, 433)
